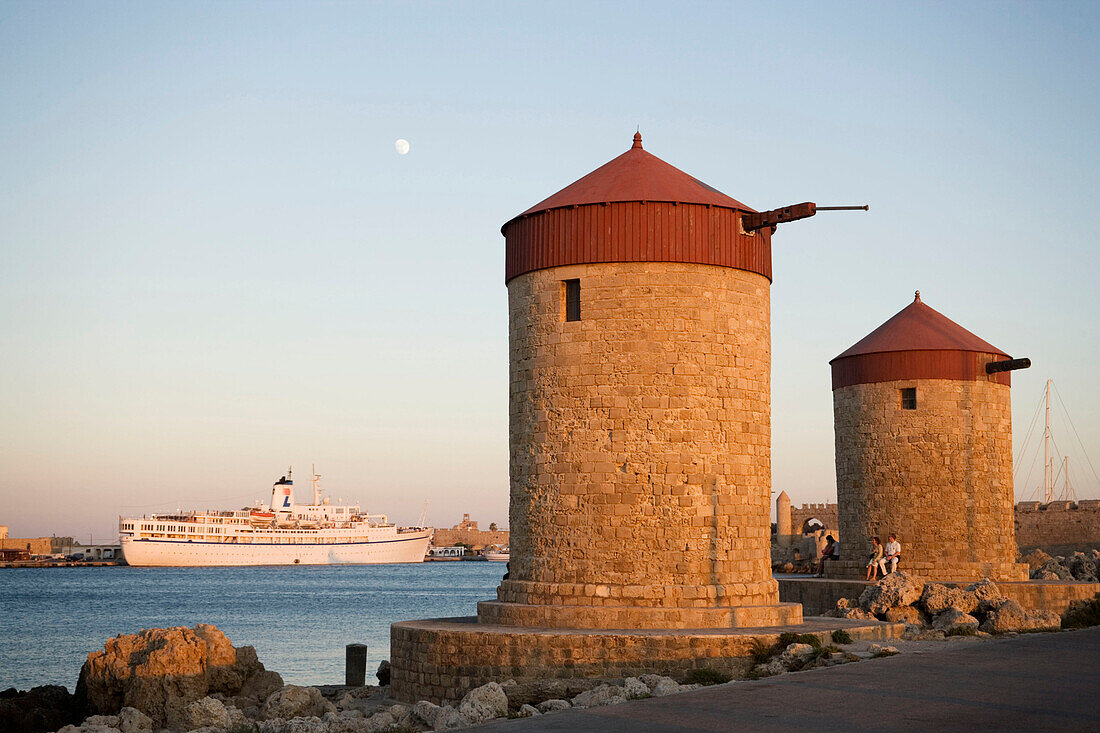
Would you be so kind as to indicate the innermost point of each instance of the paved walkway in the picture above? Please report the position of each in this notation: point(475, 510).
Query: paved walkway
point(1033, 682)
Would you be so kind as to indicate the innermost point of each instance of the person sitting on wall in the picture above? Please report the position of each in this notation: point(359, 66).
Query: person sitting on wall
point(830, 552)
point(893, 554)
point(874, 559)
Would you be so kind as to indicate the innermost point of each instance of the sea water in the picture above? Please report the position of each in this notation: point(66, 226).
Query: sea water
point(299, 618)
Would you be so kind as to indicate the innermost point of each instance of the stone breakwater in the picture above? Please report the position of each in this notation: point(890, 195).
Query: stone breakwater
point(183, 680)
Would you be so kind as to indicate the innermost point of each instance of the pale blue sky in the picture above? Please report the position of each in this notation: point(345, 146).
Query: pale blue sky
point(214, 264)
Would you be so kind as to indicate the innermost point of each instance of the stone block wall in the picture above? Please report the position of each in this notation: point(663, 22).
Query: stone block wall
point(442, 659)
point(33, 545)
point(1058, 527)
point(640, 437)
point(939, 476)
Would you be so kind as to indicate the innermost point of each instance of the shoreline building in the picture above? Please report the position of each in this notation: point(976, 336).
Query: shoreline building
point(923, 427)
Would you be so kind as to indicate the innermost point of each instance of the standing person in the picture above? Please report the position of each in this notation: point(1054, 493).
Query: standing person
point(874, 559)
point(830, 552)
point(893, 554)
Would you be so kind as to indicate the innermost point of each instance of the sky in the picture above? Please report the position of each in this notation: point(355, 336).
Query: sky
point(215, 265)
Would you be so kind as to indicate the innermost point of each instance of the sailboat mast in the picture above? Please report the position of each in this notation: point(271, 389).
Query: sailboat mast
point(1048, 490)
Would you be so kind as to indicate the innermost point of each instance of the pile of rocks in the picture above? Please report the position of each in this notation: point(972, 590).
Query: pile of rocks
point(1082, 566)
point(183, 679)
point(979, 607)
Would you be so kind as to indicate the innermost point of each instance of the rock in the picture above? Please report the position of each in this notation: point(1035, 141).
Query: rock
point(896, 589)
point(206, 712)
point(1036, 559)
point(162, 671)
point(378, 722)
point(426, 711)
point(296, 702)
point(402, 716)
point(878, 650)
point(1010, 616)
point(937, 598)
point(536, 691)
point(987, 593)
point(484, 703)
point(1056, 568)
point(599, 696)
point(634, 688)
point(448, 719)
point(856, 613)
point(132, 720)
point(797, 652)
point(549, 706)
point(1043, 575)
point(261, 685)
point(44, 708)
point(528, 712)
point(1082, 567)
point(660, 686)
point(954, 618)
point(383, 673)
point(903, 614)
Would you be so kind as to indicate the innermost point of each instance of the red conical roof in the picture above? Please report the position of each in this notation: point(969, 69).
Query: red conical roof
point(919, 328)
point(637, 176)
point(636, 208)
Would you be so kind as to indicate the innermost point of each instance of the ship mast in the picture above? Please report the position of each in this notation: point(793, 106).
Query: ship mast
point(316, 486)
point(1048, 489)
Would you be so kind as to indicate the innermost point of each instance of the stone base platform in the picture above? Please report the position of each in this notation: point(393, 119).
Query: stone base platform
point(818, 595)
point(442, 659)
point(935, 571)
point(638, 617)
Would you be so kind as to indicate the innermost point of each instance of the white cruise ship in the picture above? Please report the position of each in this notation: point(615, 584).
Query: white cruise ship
point(282, 533)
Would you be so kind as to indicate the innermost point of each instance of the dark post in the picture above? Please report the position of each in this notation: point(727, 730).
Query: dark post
point(355, 668)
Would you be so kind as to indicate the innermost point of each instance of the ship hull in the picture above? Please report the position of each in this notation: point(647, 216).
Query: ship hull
point(404, 548)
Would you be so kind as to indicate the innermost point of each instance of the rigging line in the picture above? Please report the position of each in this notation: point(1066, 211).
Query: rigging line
point(1027, 439)
point(1027, 481)
point(1076, 434)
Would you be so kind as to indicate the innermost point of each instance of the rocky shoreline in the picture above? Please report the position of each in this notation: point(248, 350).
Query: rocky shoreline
point(182, 680)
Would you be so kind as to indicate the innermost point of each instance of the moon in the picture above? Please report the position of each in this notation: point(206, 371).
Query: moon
point(401, 146)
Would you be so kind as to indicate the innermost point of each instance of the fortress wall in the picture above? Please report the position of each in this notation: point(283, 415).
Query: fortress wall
point(827, 513)
point(471, 537)
point(1059, 527)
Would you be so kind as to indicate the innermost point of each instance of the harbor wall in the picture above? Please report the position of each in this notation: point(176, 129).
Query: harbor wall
point(1057, 528)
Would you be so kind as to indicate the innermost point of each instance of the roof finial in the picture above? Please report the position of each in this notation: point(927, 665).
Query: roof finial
point(637, 141)
point(916, 297)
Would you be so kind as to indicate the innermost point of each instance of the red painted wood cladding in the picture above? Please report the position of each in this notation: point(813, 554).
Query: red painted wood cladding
point(634, 231)
point(890, 366)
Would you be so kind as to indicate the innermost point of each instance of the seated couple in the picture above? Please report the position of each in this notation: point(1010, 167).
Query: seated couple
point(880, 556)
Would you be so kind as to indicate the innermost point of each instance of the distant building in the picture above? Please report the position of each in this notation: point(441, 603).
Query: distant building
point(467, 533)
point(31, 545)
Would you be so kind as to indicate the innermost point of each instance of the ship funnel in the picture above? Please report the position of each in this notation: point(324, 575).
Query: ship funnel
point(282, 497)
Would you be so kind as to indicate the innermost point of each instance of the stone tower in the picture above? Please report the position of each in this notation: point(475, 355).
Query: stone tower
point(640, 438)
point(783, 519)
point(640, 441)
point(924, 449)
